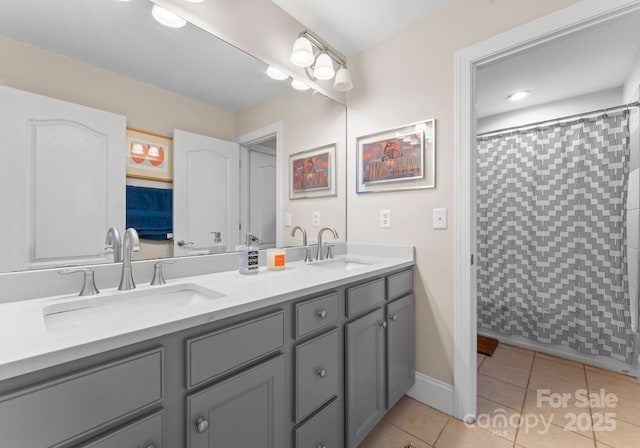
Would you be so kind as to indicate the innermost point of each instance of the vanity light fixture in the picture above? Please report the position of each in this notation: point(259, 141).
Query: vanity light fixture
point(276, 73)
point(167, 18)
point(318, 58)
point(299, 85)
point(519, 95)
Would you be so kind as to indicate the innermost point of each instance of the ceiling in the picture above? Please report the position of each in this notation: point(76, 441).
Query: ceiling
point(353, 25)
point(122, 37)
point(597, 58)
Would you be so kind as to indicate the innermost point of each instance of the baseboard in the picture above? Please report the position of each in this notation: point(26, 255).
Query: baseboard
point(433, 392)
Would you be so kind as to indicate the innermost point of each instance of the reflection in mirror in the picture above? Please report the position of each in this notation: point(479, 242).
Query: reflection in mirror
point(111, 57)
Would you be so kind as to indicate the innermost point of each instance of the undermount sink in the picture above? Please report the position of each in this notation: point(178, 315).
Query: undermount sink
point(342, 264)
point(119, 307)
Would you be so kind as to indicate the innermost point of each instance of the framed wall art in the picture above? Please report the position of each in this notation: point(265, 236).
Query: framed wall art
point(149, 156)
point(312, 173)
point(397, 159)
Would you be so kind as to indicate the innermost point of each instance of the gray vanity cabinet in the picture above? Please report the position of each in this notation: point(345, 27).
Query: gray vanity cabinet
point(365, 382)
point(400, 355)
point(246, 410)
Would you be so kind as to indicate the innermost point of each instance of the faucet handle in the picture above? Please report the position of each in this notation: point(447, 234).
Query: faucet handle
point(89, 287)
point(158, 274)
point(329, 252)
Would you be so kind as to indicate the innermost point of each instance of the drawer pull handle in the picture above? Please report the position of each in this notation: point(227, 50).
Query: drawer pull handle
point(322, 373)
point(322, 314)
point(321, 446)
point(201, 425)
point(394, 317)
point(151, 446)
point(383, 324)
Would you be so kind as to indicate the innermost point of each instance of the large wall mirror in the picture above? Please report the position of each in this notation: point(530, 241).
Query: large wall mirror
point(233, 133)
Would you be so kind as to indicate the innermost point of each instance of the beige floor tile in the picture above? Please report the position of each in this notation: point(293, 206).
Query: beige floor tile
point(564, 361)
point(611, 373)
point(556, 384)
point(626, 410)
point(622, 388)
point(573, 373)
point(417, 419)
point(505, 372)
point(625, 435)
point(500, 392)
point(458, 435)
point(546, 436)
point(567, 414)
point(385, 435)
point(480, 358)
point(498, 419)
point(517, 358)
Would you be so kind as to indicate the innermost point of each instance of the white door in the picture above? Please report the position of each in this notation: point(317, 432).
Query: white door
point(205, 192)
point(262, 195)
point(62, 181)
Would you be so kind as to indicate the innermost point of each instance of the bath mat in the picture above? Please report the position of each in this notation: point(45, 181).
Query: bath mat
point(487, 346)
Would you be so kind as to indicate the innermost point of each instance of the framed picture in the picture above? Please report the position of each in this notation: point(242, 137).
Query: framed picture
point(149, 156)
point(312, 173)
point(397, 159)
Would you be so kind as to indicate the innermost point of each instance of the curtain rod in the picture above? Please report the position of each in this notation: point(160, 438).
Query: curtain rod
point(558, 120)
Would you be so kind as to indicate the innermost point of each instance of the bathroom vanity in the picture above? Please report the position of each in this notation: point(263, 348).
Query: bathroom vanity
point(312, 356)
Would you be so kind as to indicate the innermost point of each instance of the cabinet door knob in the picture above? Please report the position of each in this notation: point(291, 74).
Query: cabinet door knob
point(151, 446)
point(322, 373)
point(201, 425)
point(383, 324)
point(322, 314)
point(394, 317)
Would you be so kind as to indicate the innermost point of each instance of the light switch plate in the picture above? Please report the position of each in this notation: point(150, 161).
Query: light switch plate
point(287, 219)
point(439, 218)
point(385, 219)
point(315, 219)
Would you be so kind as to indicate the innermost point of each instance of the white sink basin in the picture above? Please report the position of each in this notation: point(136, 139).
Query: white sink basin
point(118, 308)
point(341, 264)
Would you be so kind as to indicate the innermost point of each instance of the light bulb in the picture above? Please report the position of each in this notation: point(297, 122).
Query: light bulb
point(302, 53)
point(519, 95)
point(299, 85)
point(167, 18)
point(324, 67)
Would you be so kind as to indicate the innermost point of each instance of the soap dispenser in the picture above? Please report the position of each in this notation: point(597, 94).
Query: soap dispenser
point(249, 255)
point(218, 247)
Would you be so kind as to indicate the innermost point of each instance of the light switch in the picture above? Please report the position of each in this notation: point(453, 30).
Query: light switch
point(287, 219)
point(439, 218)
point(315, 219)
point(385, 219)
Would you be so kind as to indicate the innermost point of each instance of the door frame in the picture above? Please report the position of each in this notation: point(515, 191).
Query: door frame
point(254, 138)
point(560, 23)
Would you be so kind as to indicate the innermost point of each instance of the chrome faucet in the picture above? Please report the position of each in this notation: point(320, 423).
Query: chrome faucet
point(319, 254)
point(115, 241)
point(307, 257)
point(130, 243)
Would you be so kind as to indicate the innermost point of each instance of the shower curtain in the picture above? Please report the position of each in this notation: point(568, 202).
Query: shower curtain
point(551, 235)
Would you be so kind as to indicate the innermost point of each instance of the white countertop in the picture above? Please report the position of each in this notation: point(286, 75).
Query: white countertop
point(29, 344)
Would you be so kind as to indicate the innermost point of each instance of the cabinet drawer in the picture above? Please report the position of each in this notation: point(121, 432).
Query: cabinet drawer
point(399, 284)
point(321, 430)
point(317, 313)
point(360, 298)
point(216, 353)
point(144, 433)
point(54, 413)
point(317, 373)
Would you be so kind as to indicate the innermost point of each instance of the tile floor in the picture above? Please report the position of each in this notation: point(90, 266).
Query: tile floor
point(514, 411)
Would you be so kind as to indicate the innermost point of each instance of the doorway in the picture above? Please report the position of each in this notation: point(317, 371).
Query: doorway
point(467, 61)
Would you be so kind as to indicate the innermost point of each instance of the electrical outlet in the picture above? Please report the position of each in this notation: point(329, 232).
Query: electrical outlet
point(439, 218)
point(287, 219)
point(315, 219)
point(385, 219)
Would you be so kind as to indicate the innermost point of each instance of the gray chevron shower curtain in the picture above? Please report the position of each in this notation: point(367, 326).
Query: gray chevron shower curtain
point(551, 235)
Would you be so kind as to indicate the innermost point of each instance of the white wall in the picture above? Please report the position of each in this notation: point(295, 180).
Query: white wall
point(404, 79)
point(550, 111)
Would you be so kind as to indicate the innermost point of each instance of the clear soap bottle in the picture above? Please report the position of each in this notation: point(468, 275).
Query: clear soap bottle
point(218, 247)
point(249, 255)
